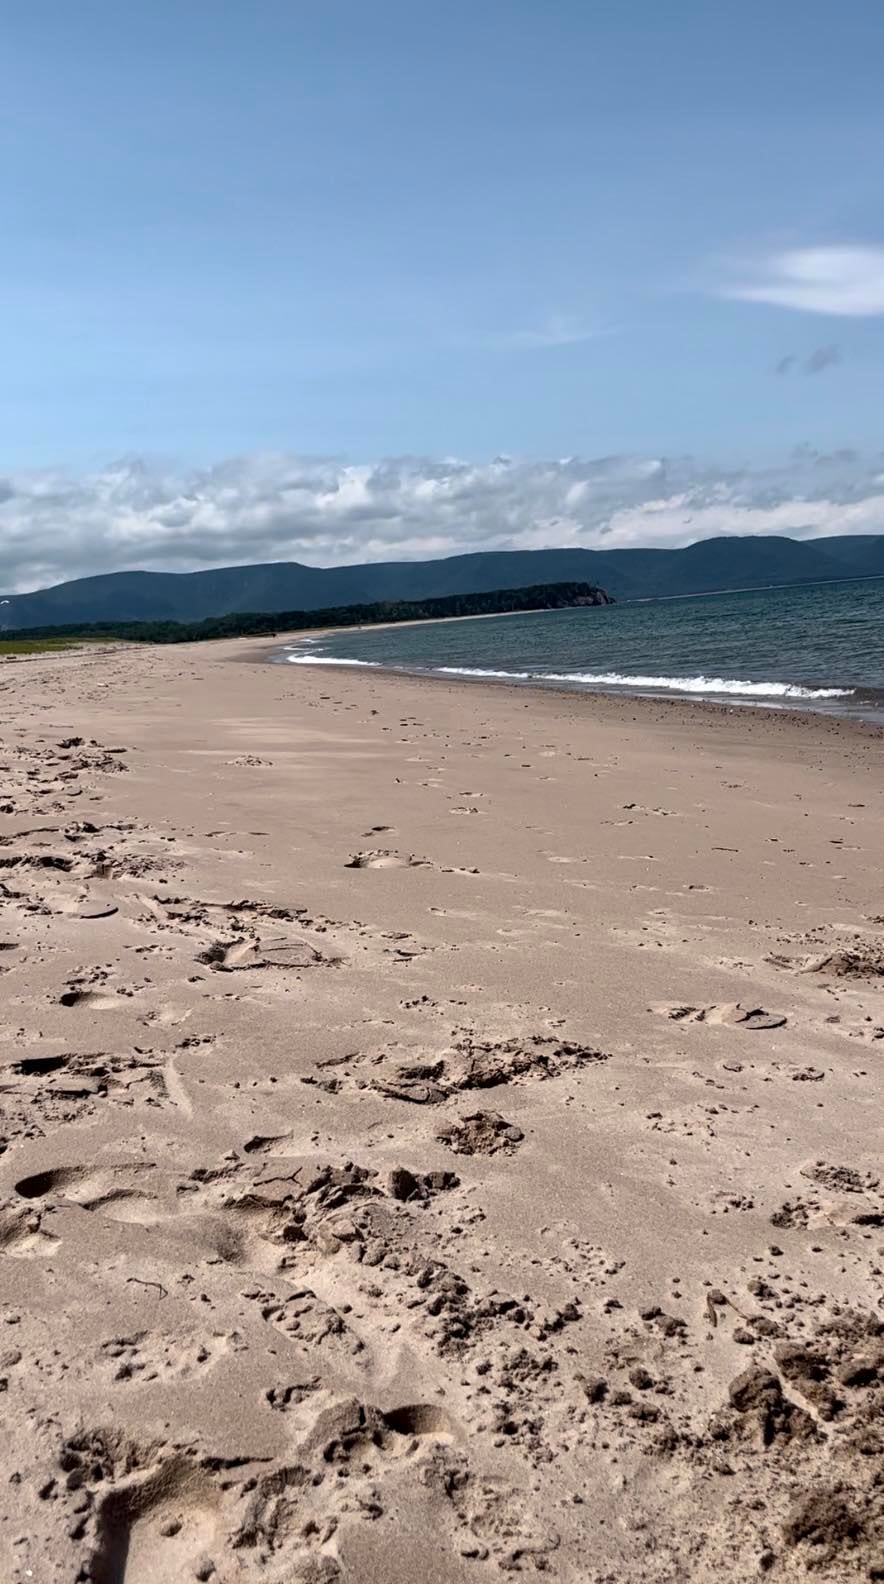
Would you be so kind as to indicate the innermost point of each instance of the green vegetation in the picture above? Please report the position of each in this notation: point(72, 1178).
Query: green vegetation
point(548, 596)
point(34, 644)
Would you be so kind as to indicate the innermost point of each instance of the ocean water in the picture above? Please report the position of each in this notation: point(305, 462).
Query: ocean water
point(817, 648)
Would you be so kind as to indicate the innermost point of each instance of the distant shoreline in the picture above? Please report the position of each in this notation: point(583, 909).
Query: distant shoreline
point(21, 633)
point(308, 634)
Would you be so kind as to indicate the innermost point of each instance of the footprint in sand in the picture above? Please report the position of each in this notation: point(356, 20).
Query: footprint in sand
point(466, 1064)
point(87, 908)
point(277, 952)
point(377, 858)
point(166, 1017)
point(159, 1525)
point(639, 808)
point(131, 1193)
point(37, 1066)
point(22, 1235)
point(146, 1356)
point(95, 1000)
point(37, 861)
point(365, 1433)
point(340, 1454)
point(268, 1144)
point(118, 1192)
point(306, 1318)
point(729, 1014)
point(860, 959)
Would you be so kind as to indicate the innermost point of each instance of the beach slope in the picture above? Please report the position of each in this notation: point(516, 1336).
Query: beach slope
point(440, 1131)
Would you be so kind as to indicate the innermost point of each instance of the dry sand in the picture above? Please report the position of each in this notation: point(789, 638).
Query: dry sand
point(440, 1131)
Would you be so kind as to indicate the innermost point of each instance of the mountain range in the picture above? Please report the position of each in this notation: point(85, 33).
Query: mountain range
point(709, 566)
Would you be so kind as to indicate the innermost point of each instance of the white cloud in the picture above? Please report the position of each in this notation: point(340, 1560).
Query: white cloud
point(844, 281)
point(558, 330)
point(134, 514)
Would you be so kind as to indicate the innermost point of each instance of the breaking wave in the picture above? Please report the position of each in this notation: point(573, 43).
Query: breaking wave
point(314, 659)
point(715, 686)
point(674, 684)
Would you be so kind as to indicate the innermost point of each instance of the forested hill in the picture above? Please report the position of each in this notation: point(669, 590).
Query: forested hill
point(710, 565)
point(548, 596)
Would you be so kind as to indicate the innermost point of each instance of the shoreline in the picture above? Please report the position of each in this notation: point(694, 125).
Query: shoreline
point(622, 697)
point(735, 705)
point(310, 634)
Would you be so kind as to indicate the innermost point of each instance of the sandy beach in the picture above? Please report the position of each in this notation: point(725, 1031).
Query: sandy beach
point(440, 1131)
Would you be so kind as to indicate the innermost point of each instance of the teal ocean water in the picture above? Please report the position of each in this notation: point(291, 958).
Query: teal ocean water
point(819, 648)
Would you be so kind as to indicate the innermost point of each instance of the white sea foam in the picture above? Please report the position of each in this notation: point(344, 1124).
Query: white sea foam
point(721, 687)
point(696, 684)
point(332, 660)
point(477, 671)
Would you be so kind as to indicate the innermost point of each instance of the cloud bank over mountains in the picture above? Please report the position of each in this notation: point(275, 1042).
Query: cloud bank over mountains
point(137, 514)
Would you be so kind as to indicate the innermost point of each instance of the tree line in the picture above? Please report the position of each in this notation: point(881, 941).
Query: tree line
point(544, 596)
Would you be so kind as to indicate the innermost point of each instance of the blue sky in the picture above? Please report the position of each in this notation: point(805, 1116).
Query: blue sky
point(576, 227)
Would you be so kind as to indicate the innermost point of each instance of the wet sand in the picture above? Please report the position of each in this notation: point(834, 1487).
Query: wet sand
point(440, 1130)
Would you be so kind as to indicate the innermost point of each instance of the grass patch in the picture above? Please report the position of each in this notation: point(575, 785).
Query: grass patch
point(11, 647)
